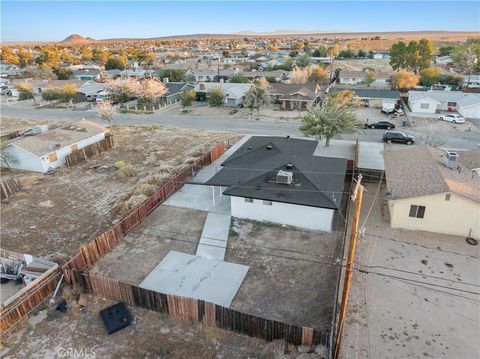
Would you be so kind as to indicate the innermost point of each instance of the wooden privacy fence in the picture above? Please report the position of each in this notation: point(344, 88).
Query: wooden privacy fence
point(100, 246)
point(17, 307)
point(89, 151)
point(8, 187)
point(210, 314)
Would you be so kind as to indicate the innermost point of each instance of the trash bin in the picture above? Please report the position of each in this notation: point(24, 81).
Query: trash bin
point(404, 123)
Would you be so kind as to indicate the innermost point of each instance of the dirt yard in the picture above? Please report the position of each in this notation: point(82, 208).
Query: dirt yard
point(297, 290)
point(53, 215)
point(80, 333)
point(165, 229)
point(292, 276)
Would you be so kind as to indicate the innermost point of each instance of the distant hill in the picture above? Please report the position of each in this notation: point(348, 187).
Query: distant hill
point(77, 39)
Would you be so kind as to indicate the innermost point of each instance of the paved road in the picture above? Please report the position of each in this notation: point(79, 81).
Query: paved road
point(170, 118)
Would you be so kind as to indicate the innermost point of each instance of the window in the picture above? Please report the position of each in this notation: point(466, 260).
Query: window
point(248, 200)
point(424, 106)
point(417, 211)
point(52, 157)
point(447, 197)
point(451, 104)
point(267, 203)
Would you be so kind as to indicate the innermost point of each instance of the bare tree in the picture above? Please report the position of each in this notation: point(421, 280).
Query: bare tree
point(106, 112)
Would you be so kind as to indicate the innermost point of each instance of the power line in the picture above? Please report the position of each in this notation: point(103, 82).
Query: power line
point(314, 261)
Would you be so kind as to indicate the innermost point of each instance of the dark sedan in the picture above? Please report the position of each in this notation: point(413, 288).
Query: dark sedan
point(384, 125)
point(398, 137)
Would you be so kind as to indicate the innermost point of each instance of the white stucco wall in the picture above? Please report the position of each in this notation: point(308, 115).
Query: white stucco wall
point(416, 107)
point(455, 216)
point(472, 111)
point(20, 159)
point(24, 160)
point(283, 213)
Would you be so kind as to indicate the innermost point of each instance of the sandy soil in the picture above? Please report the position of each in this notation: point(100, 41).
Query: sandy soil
point(53, 215)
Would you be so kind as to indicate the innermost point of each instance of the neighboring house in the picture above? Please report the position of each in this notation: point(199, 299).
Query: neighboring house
point(201, 76)
point(278, 75)
point(381, 56)
point(466, 104)
point(234, 93)
point(431, 190)
point(137, 74)
point(321, 60)
point(89, 91)
point(7, 70)
point(42, 152)
point(471, 81)
point(294, 96)
point(382, 79)
point(111, 74)
point(235, 60)
point(88, 74)
point(444, 60)
point(351, 77)
point(174, 91)
point(279, 180)
point(370, 97)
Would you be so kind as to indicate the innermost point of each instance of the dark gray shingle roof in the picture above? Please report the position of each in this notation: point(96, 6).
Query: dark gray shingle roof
point(251, 171)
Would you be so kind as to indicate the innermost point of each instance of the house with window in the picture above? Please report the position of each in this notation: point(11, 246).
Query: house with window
point(47, 150)
point(234, 92)
point(295, 96)
point(280, 180)
point(466, 104)
point(86, 74)
point(174, 92)
point(370, 97)
point(433, 190)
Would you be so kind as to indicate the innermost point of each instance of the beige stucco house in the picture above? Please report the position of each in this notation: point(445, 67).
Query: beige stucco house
point(431, 190)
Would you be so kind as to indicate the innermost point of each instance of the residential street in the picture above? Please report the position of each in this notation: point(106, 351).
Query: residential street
point(170, 117)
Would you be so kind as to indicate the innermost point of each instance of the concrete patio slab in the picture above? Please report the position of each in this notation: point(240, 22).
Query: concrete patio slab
point(213, 241)
point(196, 277)
point(200, 197)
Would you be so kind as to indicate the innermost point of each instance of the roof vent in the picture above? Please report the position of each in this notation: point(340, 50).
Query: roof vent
point(269, 147)
point(57, 145)
point(451, 160)
point(249, 148)
point(284, 177)
point(289, 166)
point(288, 137)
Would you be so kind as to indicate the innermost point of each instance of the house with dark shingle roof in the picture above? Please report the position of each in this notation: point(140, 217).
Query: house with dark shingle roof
point(174, 92)
point(280, 180)
point(293, 96)
point(433, 190)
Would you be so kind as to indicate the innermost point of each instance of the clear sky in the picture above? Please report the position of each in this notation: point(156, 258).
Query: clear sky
point(42, 20)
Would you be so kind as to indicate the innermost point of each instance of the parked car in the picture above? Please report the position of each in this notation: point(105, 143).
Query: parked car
point(385, 125)
point(6, 91)
point(452, 117)
point(398, 137)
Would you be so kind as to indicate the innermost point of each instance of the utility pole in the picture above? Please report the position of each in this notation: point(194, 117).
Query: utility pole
point(357, 197)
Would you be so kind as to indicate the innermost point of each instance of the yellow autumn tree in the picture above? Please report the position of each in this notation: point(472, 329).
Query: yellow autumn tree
point(405, 79)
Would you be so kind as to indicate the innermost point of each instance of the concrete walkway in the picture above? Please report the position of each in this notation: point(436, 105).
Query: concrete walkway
point(213, 241)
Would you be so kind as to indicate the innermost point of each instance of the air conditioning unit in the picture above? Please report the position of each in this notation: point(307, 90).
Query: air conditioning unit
point(451, 160)
point(284, 177)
